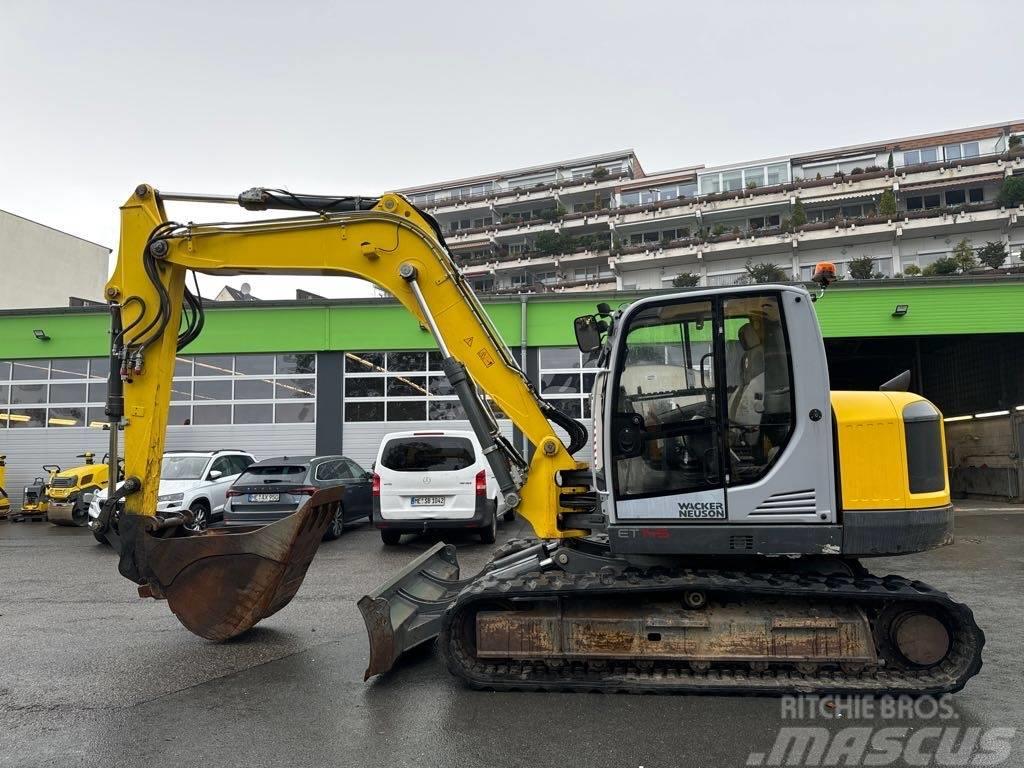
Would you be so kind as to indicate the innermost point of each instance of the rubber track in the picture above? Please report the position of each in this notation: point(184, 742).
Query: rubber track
point(963, 662)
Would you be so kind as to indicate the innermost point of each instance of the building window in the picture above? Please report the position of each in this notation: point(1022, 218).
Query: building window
point(760, 222)
point(399, 386)
point(916, 156)
point(243, 389)
point(919, 202)
point(960, 151)
point(741, 178)
point(567, 379)
point(66, 392)
point(976, 194)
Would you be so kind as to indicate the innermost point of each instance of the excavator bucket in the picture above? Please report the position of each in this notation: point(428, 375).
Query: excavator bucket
point(406, 611)
point(221, 582)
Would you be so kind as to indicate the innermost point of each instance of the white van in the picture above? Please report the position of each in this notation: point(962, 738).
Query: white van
point(434, 480)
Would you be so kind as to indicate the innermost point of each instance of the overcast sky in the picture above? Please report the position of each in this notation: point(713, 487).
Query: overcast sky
point(345, 98)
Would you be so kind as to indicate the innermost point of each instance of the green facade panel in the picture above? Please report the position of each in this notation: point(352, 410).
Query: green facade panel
point(968, 308)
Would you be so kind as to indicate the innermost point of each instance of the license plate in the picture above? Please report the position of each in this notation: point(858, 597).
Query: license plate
point(263, 498)
point(428, 501)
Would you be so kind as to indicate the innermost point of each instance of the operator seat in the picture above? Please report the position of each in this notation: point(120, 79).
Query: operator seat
point(747, 403)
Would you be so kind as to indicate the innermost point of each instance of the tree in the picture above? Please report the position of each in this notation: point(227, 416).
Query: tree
point(992, 254)
point(911, 270)
point(766, 272)
point(1012, 193)
point(963, 254)
point(685, 280)
point(862, 268)
point(889, 163)
point(600, 172)
point(887, 203)
point(1015, 141)
point(799, 216)
point(947, 265)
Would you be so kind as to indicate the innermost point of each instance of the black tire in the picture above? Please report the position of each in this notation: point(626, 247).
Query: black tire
point(390, 537)
point(100, 538)
point(489, 534)
point(337, 525)
point(200, 516)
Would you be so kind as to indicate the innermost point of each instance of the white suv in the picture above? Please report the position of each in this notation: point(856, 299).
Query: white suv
point(434, 480)
point(198, 481)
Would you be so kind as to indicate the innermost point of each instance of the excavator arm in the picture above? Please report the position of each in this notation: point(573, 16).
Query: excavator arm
point(386, 241)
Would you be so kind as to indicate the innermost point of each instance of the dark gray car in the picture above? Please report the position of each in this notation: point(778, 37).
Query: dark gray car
point(274, 488)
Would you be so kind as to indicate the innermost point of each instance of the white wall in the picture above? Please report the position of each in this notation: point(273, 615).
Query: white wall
point(42, 267)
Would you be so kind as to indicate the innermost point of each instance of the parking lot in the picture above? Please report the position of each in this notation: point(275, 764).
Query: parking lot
point(92, 675)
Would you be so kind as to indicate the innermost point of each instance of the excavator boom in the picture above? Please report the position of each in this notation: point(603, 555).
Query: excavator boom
point(386, 241)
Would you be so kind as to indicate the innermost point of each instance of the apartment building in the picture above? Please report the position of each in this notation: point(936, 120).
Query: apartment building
point(602, 222)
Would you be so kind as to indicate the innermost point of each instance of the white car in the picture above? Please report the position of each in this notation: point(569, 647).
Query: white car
point(193, 480)
point(436, 480)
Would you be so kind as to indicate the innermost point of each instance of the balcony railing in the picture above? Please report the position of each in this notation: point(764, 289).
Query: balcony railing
point(844, 222)
point(498, 194)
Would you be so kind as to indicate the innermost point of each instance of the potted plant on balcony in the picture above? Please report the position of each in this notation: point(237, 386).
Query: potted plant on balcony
point(964, 256)
point(685, 280)
point(887, 204)
point(599, 173)
point(765, 272)
point(861, 268)
point(799, 215)
point(947, 265)
point(992, 254)
point(1012, 192)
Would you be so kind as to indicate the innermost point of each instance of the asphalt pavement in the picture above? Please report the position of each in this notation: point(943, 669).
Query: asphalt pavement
point(92, 675)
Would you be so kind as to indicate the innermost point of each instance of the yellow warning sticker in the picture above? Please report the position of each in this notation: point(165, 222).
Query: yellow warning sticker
point(469, 341)
point(485, 358)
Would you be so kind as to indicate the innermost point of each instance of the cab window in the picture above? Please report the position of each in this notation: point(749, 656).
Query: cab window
point(758, 385)
point(665, 426)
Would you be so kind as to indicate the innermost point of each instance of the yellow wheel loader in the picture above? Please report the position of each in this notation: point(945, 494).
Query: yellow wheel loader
point(715, 544)
point(66, 495)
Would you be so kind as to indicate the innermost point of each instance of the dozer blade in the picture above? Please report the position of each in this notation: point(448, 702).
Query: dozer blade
point(407, 610)
point(221, 582)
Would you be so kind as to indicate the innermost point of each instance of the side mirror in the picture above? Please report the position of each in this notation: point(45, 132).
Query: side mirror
point(215, 474)
point(367, 475)
point(588, 332)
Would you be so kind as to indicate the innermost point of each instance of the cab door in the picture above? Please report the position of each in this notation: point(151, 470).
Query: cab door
point(779, 466)
point(665, 426)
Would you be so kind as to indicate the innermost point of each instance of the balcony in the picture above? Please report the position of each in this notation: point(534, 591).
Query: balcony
point(824, 233)
point(522, 194)
point(811, 189)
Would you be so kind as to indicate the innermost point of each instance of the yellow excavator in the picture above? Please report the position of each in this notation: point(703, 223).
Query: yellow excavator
point(713, 545)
